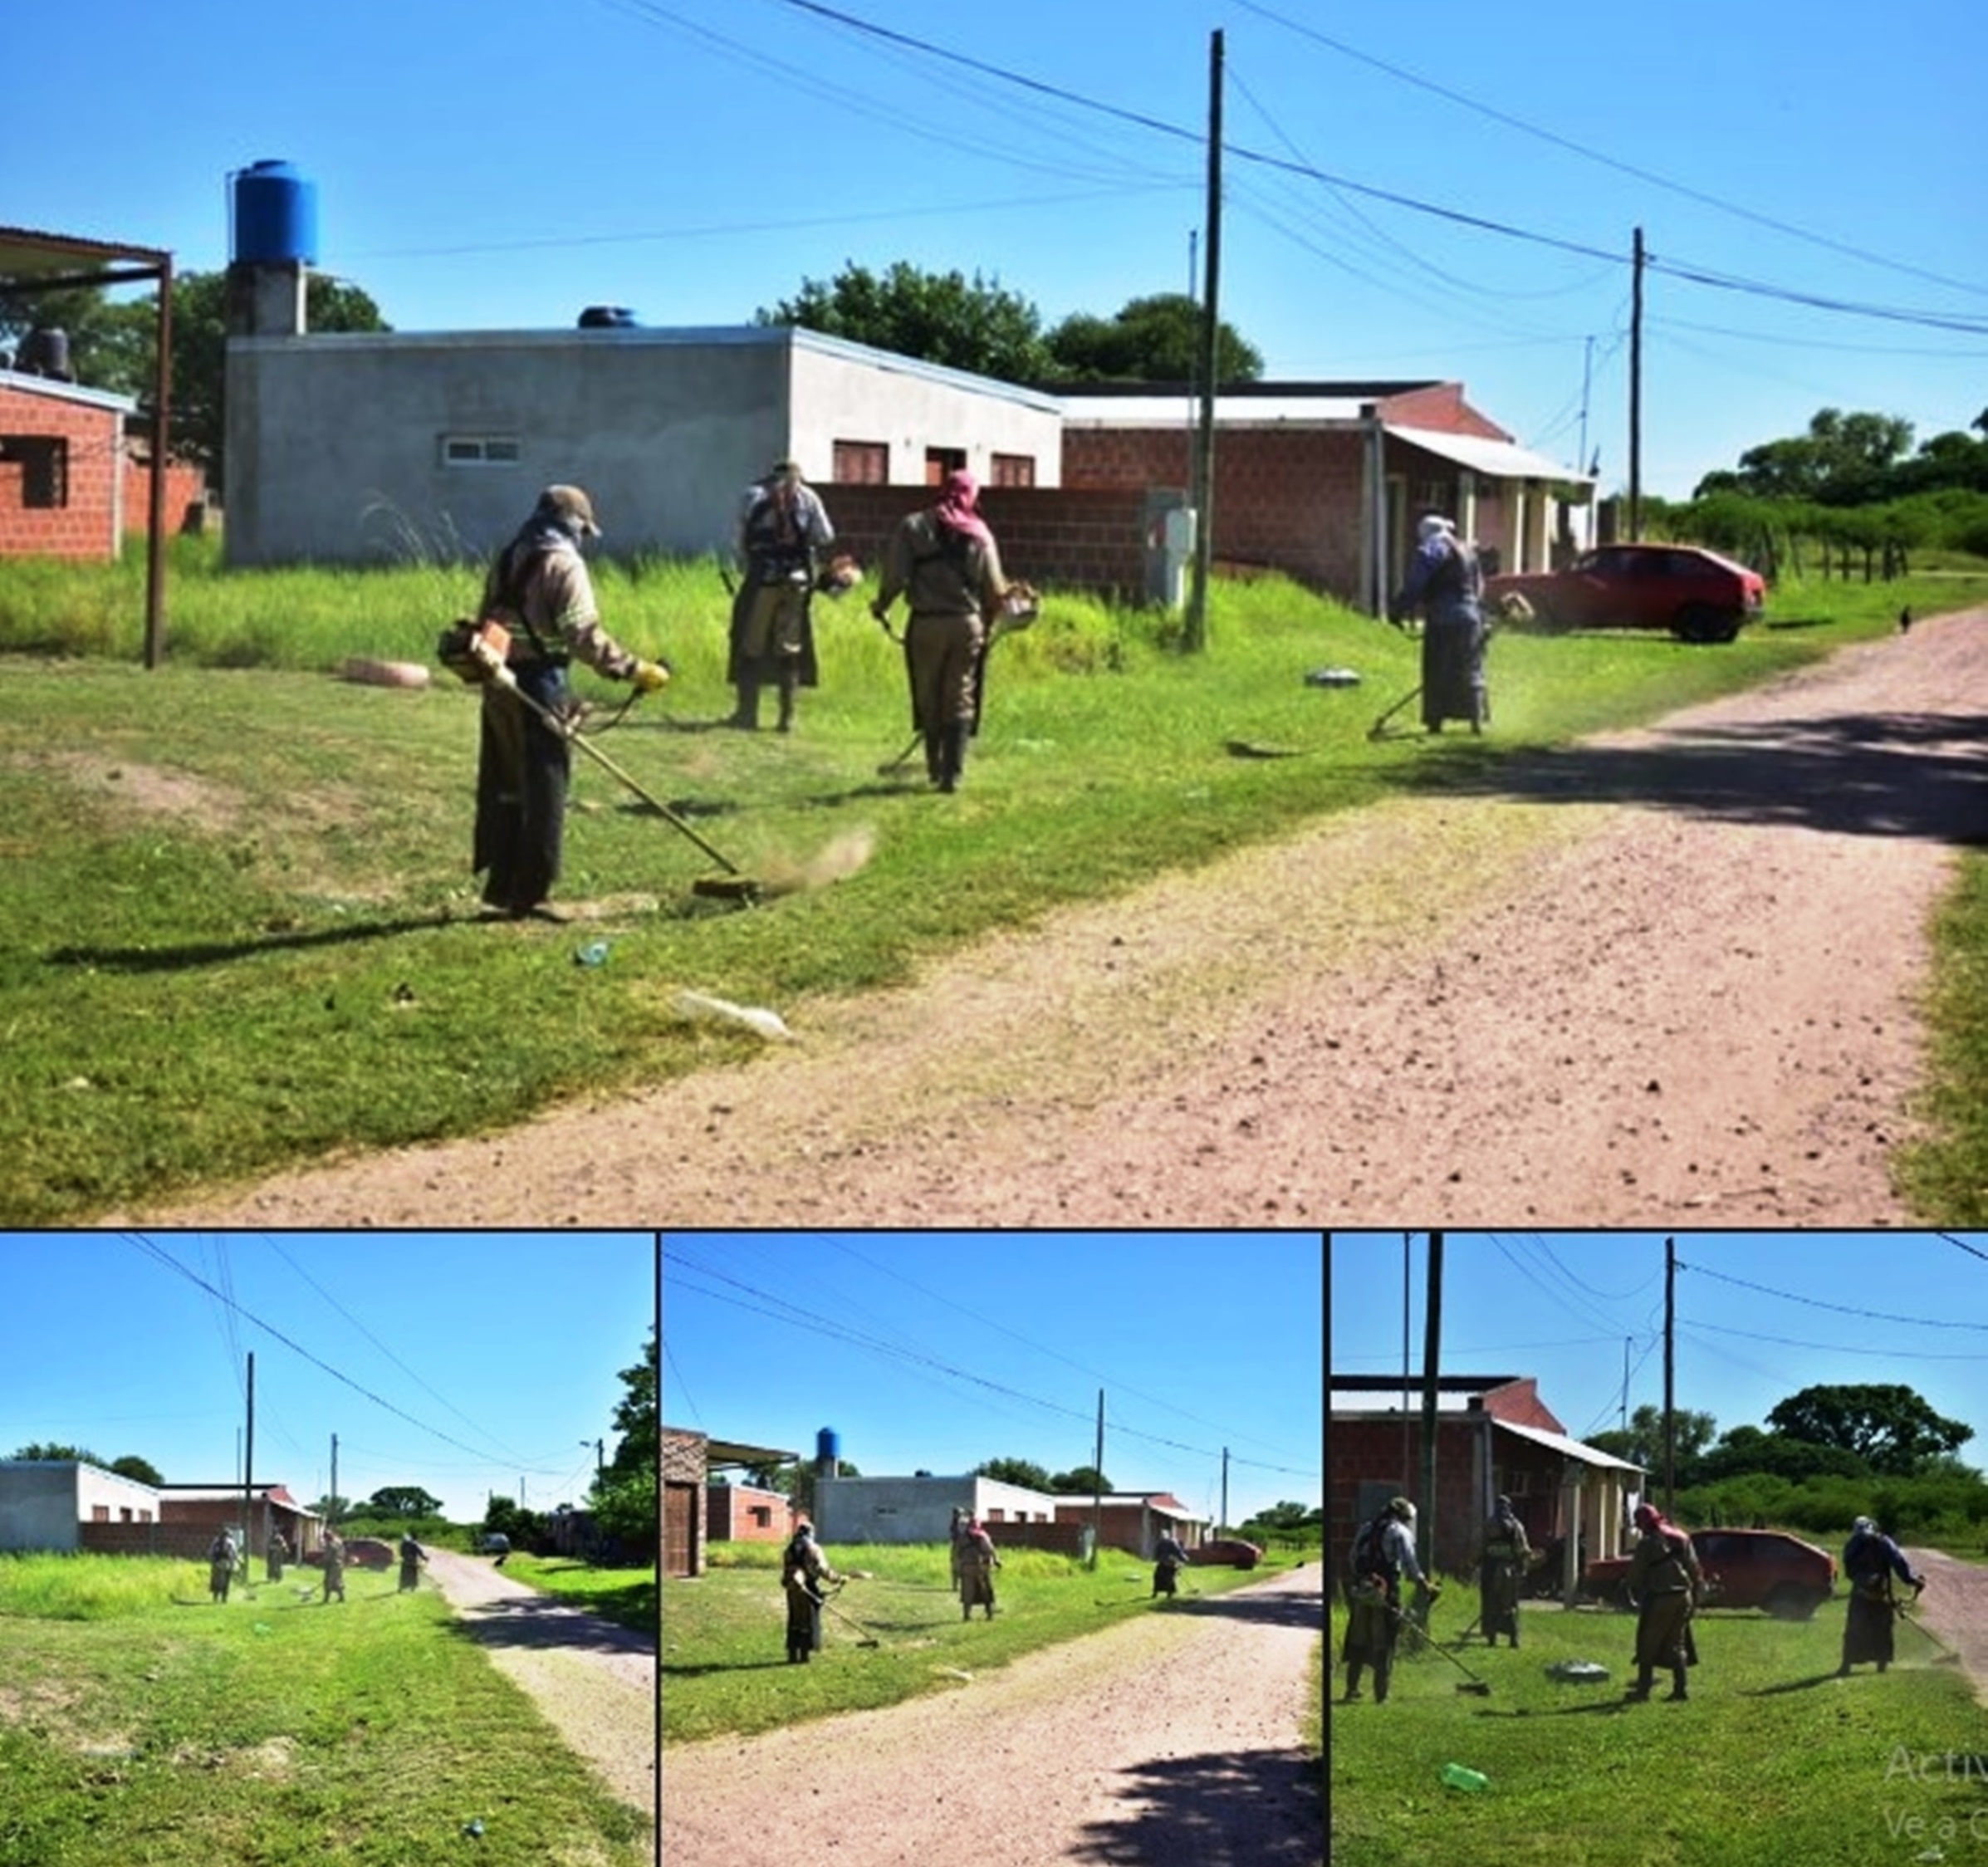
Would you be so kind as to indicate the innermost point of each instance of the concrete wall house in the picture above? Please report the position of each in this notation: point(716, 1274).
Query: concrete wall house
point(1494, 1436)
point(375, 447)
point(45, 1504)
point(1324, 481)
point(919, 1509)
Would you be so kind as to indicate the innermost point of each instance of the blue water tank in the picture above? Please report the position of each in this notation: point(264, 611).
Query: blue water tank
point(828, 1446)
point(275, 216)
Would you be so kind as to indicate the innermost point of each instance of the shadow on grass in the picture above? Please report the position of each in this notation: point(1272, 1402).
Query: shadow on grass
point(1789, 1685)
point(221, 952)
point(1216, 1809)
point(1872, 774)
point(671, 1671)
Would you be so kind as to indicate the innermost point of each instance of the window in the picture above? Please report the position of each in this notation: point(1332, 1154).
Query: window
point(479, 450)
point(862, 462)
point(1013, 469)
point(99, 1513)
point(762, 1516)
point(942, 461)
point(998, 1516)
point(44, 463)
point(124, 1513)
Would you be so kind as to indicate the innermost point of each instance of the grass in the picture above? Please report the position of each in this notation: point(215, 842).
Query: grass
point(241, 931)
point(1771, 1761)
point(1946, 1174)
point(139, 1723)
point(624, 1595)
point(724, 1664)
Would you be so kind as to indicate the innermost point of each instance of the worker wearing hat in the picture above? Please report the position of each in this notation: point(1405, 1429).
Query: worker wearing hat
point(783, 533)
point(803, 1568)
point(538, 588)
point(1383, 1552)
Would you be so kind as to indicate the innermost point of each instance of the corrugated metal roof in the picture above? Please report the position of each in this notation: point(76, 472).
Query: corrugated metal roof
point(1496, 460)
point(1231, 411)
point(1568, 1448)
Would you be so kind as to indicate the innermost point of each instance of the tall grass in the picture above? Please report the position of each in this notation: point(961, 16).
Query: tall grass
point(47, 1585)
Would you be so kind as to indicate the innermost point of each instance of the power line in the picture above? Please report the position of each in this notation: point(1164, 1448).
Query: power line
point(1962, 1243)
point(1837, 1348)
point(1841, 1309)
point(683, 1386)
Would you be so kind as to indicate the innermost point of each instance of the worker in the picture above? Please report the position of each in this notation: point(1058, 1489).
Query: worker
point(1870, 1559)
point(783, 531)
point(1499, 1570)
point(1664, 1581)
point(539, 590)
point(803, 1568)
point(944, 562)
point(1168, 1559)
point(279, 1554)
point(978, 1559)
point(957, 1536)
point(1445, 582)
point(412, 1557)
point(220, 1566)
point(335, 1565)
point(1383, 1551)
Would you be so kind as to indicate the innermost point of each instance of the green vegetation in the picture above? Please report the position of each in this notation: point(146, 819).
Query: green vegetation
point(241, 930)
point(137, 1722)
point(724, 1653)
point(626, 1596)
point(1771, 1761)
point(1946, 1172)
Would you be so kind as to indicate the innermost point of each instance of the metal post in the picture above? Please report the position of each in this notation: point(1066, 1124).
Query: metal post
point(1670, 1345)
point(161, 430)
point(1431, 1349)
point(248, 1466)
point(1097, 1485)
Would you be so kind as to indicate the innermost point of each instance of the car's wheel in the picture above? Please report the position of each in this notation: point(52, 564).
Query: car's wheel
point(1789, 1602)
point(1704, 622)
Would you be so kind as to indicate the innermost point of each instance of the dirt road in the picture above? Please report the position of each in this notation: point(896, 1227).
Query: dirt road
point(1663, 974)
point(1172, 1738)
point(595, 1681)
point(1955, 1610)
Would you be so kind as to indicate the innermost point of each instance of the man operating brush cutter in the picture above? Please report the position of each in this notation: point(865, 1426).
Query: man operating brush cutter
point(1383, 1551)
point(1870, 1560)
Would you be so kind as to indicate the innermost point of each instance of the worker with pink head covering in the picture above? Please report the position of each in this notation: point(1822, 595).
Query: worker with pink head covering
point(978, 1559)
point(944, 562)
point(1664, 1580)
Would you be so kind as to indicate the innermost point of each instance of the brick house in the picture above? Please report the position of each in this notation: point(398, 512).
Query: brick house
point(745, 1513)
point(1494, 1436)
point(196, 1512)
point(63, 477)
point(1133, 1521)
point(688, 1459)
point(62, 1504)
point(1324, 481)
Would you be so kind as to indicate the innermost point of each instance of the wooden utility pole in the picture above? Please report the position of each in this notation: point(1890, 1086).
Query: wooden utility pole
point(162, 411)
point(1432, 1347)
point(1405, 1246)
point(1225, 1488)
point(1195, 626)
point(1636, 395)
point(331, 1496)
point(248, 1466)
point(1097, 1484)
point(1670, 1346)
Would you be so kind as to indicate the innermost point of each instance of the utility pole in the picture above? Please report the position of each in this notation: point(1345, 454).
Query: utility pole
point(1670, 1346)
point(1225, 1488)
point(1623, 1418)
point(1404, 1362)
point(1195, 628)
point(1636, 397)
point(248, 1466)
point(331, 1496)
point(1587, 380)
point(1431, 1348)
point(1097, 1484)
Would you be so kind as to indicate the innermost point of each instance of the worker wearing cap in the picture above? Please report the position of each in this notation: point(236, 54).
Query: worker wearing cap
point(538, 588)
point(803, 1568)
point(783, 531)
point(1383, 1552)
point(1500, 1569)
point(1664, 1581)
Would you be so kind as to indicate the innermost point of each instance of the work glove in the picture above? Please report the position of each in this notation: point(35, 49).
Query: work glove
point(649, 676)
point(1918, 1588)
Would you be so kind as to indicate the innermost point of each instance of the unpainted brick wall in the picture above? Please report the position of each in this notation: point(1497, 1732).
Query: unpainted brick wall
point(185, 489)
point(86, 525)
point(188, 1540)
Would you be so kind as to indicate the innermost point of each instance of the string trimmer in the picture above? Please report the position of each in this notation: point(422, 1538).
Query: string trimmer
point(828, 1601)
point(1944, 1655)
point(1019, 611)
point(1476, 1686)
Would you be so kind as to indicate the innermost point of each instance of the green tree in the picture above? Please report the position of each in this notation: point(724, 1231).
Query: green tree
point(1746, 1452)
point(941, 317)
point(503, 1515)
point(1023, 1472)
point(1889, 1425)
point(404, 1500)
point(1079, 1479)
point(331, 1507)
point(61, 1454)
point(1642, 1442)
point(131, 1466)
point(623, 1497)
point(1154, 338)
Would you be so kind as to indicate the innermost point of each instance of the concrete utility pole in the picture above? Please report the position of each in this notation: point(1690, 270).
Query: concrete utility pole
point(248, 1466)
point(1432, 1355)
point(1195, 627)
point(1097, 1484)
point(1225, 1488)
point(1670, 1358)
point(1636, 395)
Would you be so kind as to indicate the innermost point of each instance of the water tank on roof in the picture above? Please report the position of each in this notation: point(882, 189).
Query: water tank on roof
point(607, 318)
point(44, 352)
point(828, 1448)
point(274, 216)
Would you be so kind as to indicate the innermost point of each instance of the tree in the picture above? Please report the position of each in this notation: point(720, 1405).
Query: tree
point(1642, 1443)
point(624, 1496)
point(131, 1466)
point(503, 1515)
point(1155, 339)
point(404, 1500)
point(1023, 1472)
point(1889, 1425)
point(1079, 1479)
point(941, 317)
point(61, 1454)
point(331, 1507)
point(1747, 1452)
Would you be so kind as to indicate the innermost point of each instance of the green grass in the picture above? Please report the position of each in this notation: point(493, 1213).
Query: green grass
point(724, 1632)
point(134, 1728)
point(1771, 1762)
point(241, 929)
point(1946, 1174)
point(625, 1595)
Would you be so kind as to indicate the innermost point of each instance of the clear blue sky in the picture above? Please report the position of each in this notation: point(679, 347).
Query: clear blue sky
point(1205, 1341)
point(489, 163)
point(1558, 1306)
point(509, 1348)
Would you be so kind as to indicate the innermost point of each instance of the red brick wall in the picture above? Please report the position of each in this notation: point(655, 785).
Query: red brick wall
point(1091, 538)
point(684, 1492)
point(1518, 1402)
point(86, 526)
point(1065, 1539)
point(730, 1516)
point(186, 487)
point(188, 1540)
point(1441, 406)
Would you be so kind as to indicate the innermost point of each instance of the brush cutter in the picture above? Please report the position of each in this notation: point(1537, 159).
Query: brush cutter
point(1476, 1687)
point(486, 648)
point(828, 1601)
point(1019, 611)
point(1944, 1655)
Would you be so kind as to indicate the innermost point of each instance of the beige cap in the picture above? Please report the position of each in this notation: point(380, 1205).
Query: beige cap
point(569, 505)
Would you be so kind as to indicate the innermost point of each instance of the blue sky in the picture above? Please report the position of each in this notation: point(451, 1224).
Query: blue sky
point(1560, 1306)
point(502, 1351)
point(487, 164)
point(1205, 1340)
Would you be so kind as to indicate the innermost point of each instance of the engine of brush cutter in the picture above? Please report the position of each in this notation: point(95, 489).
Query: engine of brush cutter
point(474, 651)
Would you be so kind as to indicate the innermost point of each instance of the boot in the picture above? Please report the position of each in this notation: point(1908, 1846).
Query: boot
point(953, 765)
point(1678, 1689)
point(1641, 1690)
point(789, 683)
point(745, 715)
point(935, 755)
point(1355, 1667)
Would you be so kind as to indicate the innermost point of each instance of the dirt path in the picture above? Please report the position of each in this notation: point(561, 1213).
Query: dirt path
point(1172, 1738)
point(1955, 1610)
point(1664, 974)
point(595, 1681)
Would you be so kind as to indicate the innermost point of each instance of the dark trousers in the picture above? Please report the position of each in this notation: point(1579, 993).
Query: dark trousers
point(521, 778)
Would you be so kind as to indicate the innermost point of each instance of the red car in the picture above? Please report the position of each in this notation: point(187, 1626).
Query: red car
point(1231, 1550)
point(361, 1552)
point(1743, 1568)
point(1697, 594)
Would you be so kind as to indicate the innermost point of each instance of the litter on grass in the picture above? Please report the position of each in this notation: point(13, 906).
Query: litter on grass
point(755, 1018)
point(1577, 1671)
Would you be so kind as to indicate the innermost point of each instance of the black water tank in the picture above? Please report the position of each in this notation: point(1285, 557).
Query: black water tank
point(607, 318)
point(46, 353)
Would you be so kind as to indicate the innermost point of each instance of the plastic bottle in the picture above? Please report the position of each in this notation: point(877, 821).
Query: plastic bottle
point(1457, 1778)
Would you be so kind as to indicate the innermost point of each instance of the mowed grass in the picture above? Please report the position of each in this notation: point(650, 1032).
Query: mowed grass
point(241, 931)
point(624, 1595)
point(724, 1632)
point(139, 1723)
point(1771, 1761)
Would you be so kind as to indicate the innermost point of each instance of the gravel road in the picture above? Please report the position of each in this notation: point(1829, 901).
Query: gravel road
point(1955, 1608)
point(593, 1680)
point(1170, 1739)
point(1667, 974)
